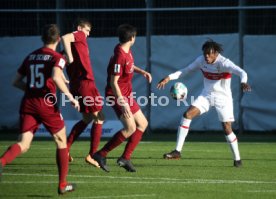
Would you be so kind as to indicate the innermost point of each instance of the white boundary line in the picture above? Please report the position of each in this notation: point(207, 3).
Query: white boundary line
point(120, 196)
point(262, 191)
point(144, 180)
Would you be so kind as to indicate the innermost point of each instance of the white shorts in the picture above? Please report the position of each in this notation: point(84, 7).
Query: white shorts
point(223, 105)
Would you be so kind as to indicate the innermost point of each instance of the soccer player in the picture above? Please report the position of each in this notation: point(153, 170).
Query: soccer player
point(119, 88)
point(217, 71)
point(82, 85)
point(43, 69)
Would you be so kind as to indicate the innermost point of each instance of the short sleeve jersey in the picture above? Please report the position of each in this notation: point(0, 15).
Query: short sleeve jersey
point(37, 67)
point(121, 64)
point(81, 67)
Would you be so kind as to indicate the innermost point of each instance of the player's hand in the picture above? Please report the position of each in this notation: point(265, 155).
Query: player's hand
point(163, 82)
point(126, 111)
point(66, 81)
point(245, 87)
point(70, 59)
point(148, 76)
point(76, 104)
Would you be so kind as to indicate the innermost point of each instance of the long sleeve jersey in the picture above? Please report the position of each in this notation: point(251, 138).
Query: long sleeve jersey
point(217, 76)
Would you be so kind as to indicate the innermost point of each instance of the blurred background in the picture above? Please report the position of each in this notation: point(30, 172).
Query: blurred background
point(170, 36)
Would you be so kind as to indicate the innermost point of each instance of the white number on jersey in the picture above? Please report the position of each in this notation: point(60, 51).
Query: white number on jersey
point(37, 77)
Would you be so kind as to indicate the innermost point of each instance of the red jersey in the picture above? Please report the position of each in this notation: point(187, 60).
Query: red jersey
point(121, 64)
point(81, 67)
point(37, 67)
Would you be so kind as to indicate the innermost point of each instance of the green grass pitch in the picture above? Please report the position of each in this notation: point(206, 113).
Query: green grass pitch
point(205, 171)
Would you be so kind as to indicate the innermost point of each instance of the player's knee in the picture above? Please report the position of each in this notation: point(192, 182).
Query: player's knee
point(60, 140)
point(227, 127)
point(24, 147)
point(87, 120)
point(131, 129)
point(100, 117)
point(143, 126)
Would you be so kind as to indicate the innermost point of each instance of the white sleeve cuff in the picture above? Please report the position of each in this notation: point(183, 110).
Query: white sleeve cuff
point(175, 75)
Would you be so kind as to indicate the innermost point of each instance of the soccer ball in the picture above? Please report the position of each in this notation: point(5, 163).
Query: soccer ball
point(179, 91)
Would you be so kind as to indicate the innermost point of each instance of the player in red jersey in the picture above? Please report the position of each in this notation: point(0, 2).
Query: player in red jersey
point(82, 85)
point(119, 87)
point(43, 69)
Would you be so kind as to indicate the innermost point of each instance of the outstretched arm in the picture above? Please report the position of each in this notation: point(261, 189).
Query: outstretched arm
point(163, 82)
point(66, 41)
point(191, 67)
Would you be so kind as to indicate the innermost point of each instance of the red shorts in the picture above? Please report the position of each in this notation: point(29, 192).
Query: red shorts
point(35, 111)
point(88, 96)
point(134, 107)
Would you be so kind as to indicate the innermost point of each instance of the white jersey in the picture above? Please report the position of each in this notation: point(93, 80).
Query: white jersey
point(217, 76)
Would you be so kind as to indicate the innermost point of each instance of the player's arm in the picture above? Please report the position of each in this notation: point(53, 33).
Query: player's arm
point(173, 76)
point(66, 81)
point(146, 74)
point(18, 82)
point(241, 73)
point(57, 75)
point(118, 94)
point(66, 42)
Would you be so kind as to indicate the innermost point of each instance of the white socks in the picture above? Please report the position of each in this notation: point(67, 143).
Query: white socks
point(182, 132)
point(233, 143)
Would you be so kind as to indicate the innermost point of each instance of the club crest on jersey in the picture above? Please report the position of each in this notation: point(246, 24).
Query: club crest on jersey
point(117, 68)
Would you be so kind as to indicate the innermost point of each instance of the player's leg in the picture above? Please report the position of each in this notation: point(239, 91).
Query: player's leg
point(182, 132)
point(95, 110)
point(53, 122)
point(116, 140)
point(62, 161)
point(28, 125)
point(134, 139)
point(79, 91)
point(95, 136)
point(77, 129)
point(224, 108)
point(233, 143)
point(198, 107)
point(96, 131)
point(17, 149)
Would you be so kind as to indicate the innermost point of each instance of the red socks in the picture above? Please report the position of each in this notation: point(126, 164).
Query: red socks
point(75, 133)
point(61, 158)
point(132, 143)
point(115, 141)
point(62, 163)
point(95, 136)
point(11, 153)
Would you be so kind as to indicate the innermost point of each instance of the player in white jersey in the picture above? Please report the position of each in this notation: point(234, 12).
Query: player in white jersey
point(217, 71)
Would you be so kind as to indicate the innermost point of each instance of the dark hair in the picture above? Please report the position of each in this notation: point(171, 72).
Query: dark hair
point(211, 45)
point(81, 22)
point(126, 32)
point(50, 34)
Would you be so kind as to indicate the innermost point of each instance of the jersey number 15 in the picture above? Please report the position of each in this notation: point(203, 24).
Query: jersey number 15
point(37, 77)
